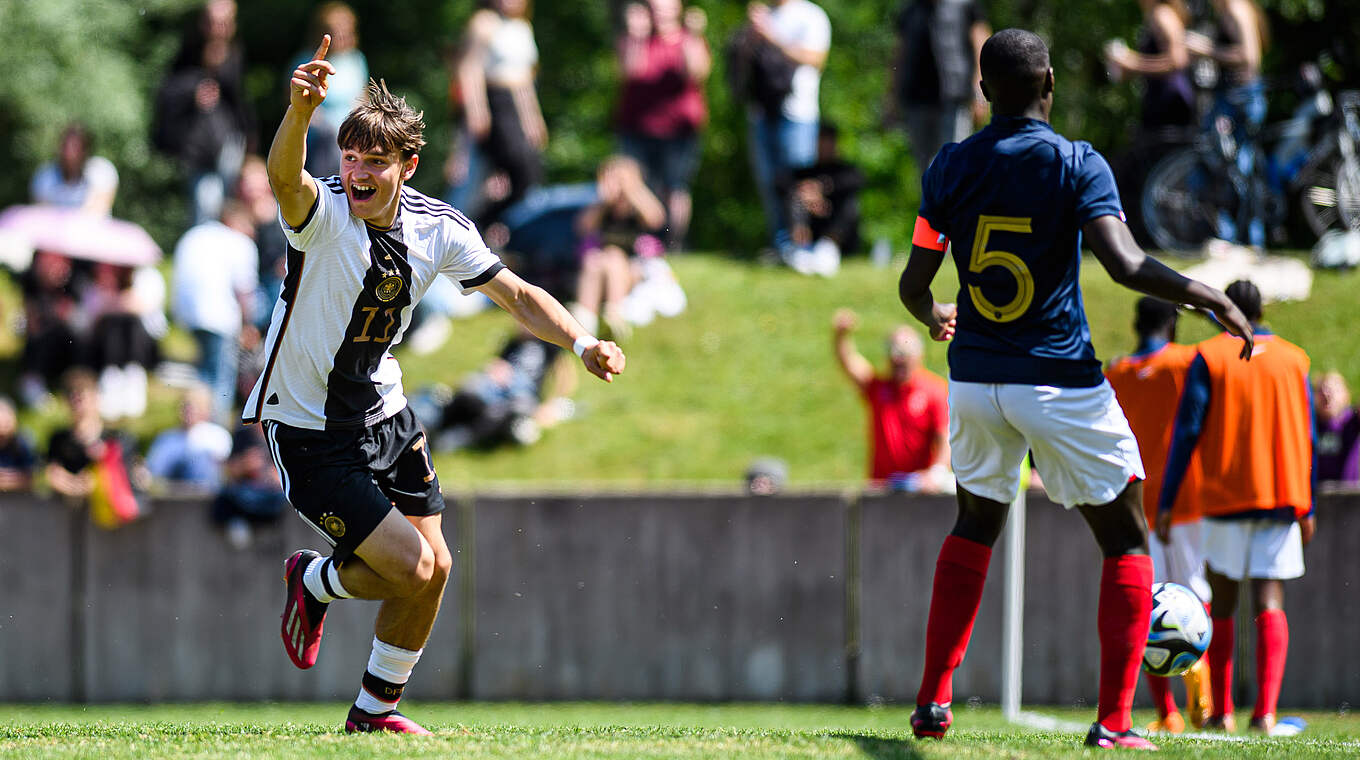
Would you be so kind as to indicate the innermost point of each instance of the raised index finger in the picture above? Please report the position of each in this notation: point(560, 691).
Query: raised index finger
point(323, 48)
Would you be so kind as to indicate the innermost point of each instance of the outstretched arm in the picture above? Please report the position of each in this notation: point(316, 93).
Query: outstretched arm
point(1129, 266)
point(549, 320)
point(293, 186)
point(852, 362)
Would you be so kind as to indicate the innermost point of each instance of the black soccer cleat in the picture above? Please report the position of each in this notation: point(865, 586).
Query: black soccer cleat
point(931, 721)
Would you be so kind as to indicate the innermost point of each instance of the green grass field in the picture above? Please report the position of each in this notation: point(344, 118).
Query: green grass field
point(574, 730)
point(748, 371)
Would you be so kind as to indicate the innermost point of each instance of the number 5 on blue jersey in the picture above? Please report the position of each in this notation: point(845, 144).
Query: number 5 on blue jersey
point(982, 259)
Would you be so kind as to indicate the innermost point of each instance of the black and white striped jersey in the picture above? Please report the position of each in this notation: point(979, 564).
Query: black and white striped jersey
point(347, 299)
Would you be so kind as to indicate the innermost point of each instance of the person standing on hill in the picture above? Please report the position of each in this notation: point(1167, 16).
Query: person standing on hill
point(1015, 200)
point(353, 458)
point(1251, 427)
point(1145, 382)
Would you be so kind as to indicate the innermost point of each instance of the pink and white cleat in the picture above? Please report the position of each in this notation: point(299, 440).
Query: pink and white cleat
point(1103, 738)
point(360, 722)
point(303, 615)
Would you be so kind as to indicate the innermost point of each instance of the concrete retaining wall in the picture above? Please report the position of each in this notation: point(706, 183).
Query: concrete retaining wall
point(809, 598)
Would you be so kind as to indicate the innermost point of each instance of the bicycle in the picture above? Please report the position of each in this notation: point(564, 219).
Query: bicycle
point(1307, 162)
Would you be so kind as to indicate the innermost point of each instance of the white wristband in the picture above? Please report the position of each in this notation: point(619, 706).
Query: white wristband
point(584, 344)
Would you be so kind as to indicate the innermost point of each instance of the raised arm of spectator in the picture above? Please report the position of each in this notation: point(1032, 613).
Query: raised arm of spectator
point(855, 366)
point(698, 59)
point(293, 186)
point(1247, 53)
point(550, 321)
point(1128, 265)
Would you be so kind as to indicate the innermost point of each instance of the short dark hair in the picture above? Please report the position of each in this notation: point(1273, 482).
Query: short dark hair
point(1153, 314)
point(1247, 298)
point(1014, 64)
point(383, 121)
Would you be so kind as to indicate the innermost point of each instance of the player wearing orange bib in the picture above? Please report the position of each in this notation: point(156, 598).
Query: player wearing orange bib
point(1250, 425)
point(1145, 383)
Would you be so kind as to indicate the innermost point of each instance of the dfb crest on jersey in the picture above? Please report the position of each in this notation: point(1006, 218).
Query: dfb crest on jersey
point(388, 288)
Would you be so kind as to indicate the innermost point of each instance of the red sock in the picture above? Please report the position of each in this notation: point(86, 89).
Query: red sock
point(960, 573)
point(1220, 666)
point(1272, 644)
point(1125, 607)
point(1162, 698)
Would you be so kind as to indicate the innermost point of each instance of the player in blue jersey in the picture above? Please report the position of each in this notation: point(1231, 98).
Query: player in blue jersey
point(1015, 200)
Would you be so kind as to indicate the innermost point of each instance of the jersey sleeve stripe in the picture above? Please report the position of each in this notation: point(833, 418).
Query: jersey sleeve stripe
point(484, 277)
point(432, 207)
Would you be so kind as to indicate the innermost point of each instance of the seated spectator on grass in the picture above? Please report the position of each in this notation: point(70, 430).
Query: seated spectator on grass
point(76, 179)
point(626, 219)
point(17, 460)
point(122, 350)
point(72, 450)
point(908, 410)
point(823, 208)
point(512, 399)
point(1337, 422)
point(251, 494)
point(190, 456)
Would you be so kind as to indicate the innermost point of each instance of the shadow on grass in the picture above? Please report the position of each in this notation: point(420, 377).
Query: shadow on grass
point(880, 747)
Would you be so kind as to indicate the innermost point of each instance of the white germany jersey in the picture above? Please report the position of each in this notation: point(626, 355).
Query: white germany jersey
point(347, 299)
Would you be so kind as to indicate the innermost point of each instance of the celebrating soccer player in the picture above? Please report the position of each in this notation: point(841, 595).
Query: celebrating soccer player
point(354, 461)
point(1016, 199)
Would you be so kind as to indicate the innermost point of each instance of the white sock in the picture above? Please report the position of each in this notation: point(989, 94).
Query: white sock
point(389, 668)
point(322, 579)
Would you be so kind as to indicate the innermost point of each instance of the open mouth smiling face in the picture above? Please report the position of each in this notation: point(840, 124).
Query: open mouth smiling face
point(372, 181)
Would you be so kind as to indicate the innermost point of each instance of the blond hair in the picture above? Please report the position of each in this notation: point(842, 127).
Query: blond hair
point(383, 121)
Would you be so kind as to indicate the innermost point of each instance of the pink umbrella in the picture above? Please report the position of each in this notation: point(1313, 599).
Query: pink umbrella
point(80, 235)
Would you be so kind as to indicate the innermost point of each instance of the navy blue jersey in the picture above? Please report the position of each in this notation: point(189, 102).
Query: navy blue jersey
point(1013, 199)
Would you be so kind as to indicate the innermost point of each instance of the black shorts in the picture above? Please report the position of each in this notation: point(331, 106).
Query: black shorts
point(344, 482)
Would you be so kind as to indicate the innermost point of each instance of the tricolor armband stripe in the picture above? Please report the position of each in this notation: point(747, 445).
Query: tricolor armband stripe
point(925, 236)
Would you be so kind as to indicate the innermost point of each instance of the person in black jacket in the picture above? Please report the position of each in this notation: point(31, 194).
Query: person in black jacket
point(823, 202)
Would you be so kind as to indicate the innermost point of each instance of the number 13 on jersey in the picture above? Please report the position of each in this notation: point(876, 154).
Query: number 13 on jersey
point(982, 258)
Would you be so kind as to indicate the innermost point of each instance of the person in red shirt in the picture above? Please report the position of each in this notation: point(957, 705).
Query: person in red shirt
point(909, 409)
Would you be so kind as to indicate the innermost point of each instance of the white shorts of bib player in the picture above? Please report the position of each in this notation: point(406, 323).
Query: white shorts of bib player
point(1182, 560)
point(1241, 549)
point(1082, 443)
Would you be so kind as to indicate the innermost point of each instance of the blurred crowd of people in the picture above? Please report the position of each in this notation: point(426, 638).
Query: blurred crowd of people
point(92, 329)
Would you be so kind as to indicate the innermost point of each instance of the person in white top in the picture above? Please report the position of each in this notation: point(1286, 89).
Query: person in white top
point(500, 106)
point(212, 286)
point(353, 459)
point(786, 141)
point(76, 179)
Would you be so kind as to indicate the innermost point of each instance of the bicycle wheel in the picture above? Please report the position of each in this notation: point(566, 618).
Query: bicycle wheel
point(1176, 210)
point(1329, 192)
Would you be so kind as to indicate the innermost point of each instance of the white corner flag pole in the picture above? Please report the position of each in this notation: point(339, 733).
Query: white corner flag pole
point(1013, 609)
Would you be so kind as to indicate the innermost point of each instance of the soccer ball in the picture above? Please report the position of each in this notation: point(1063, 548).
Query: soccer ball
point(1179, 631)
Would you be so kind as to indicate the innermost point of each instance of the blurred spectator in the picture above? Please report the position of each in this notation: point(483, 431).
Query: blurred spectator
point(343, 88)
point(190, 456)
point(52, 344)
point(76, 179)
point(17, 460)
point(1163, 60)
point(784, 138)
point(213, 291)
point(824, 208)
point(1338, 430)
point(201, 114)
point(500, 104)
point(908, 406)
point(120, 346)
point(767, 476)
point(505, 401)
point(1239, 41)
point(665, 63)
point(72, 450)
point(270, 244)
point(251, 494)
point(935, 74)
point(626, 218)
